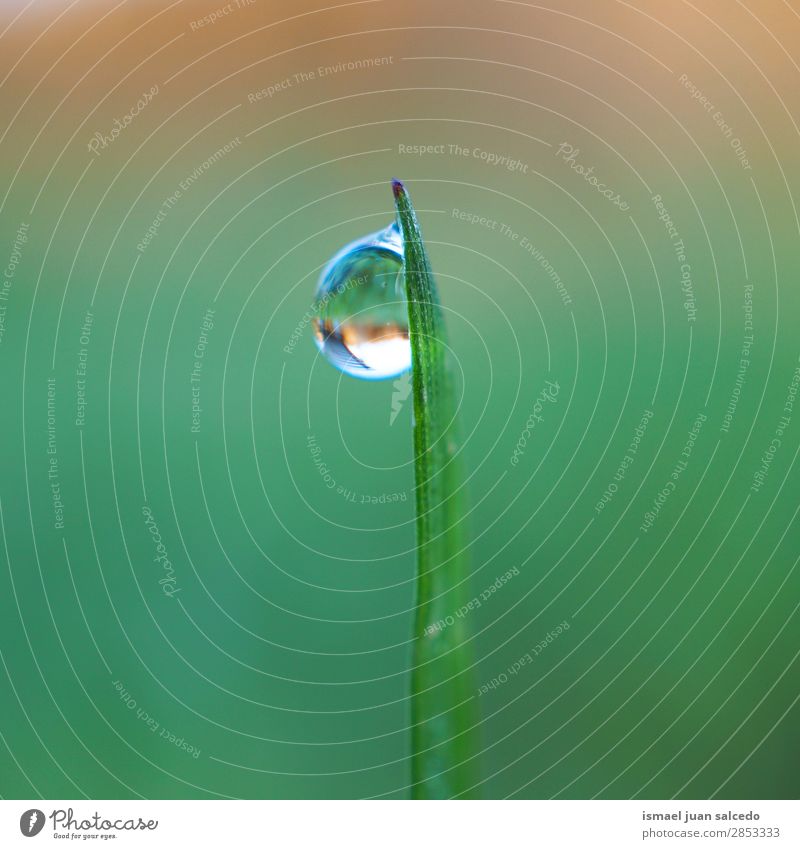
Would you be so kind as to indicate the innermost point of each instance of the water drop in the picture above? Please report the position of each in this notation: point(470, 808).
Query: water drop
point(361, 314)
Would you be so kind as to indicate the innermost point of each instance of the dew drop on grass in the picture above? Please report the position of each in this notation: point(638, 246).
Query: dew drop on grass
point(360, 311)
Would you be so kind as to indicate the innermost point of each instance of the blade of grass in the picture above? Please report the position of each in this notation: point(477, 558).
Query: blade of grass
point(443, 710)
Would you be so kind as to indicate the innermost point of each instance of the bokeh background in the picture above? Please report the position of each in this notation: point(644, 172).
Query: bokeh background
point(170, 381)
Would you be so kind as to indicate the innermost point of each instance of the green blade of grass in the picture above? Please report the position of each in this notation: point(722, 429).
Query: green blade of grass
point(443, 710)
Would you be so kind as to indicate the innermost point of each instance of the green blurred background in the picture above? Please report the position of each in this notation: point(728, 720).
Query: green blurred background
point(276, 663)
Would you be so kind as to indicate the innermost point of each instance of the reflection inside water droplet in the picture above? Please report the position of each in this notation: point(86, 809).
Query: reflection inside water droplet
point(361, 315)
